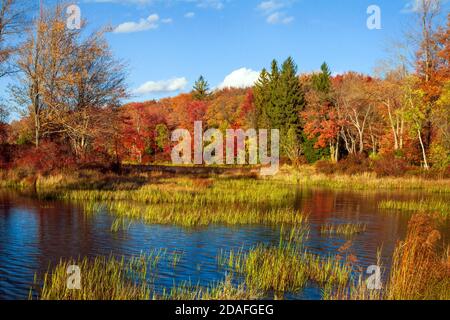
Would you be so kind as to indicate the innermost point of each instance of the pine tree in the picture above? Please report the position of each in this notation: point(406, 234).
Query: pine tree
point(322, 81)
point(201, 89)
point(290, 97)
point(275, 108)
point(279, 100)
point(262, 98)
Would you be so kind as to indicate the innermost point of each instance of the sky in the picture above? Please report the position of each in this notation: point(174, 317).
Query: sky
point(168, 44)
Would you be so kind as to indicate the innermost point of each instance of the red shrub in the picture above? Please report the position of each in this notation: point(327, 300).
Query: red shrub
point(354, 164)
point(325, 167)
point(48, 157)
point(389, 165)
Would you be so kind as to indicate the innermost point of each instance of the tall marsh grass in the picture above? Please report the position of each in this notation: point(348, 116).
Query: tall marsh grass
point(347, 229)
point(194, 216)
point(307, 176)
point(286, 268)
point(222, 290)
point(436, 206)
point(101, 279)
point(119, 279)
point(420, 268)
point(189, 192)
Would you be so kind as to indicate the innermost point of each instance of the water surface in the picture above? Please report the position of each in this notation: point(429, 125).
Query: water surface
point(36, 234)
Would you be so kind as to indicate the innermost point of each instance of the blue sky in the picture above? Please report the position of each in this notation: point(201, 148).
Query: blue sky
point(167, 44)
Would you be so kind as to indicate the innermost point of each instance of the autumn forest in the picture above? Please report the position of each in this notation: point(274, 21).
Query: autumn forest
point(71, 90)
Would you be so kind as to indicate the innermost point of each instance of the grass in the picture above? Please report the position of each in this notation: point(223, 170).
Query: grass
point(307, 176)
point(189, 191)
point(223, 290)
point(120, 224)
point(195, 216)
point(101, 279)
point(286, 268)
point(436, 206)
point(347, 229)
point(420, 268)
point(117, 279)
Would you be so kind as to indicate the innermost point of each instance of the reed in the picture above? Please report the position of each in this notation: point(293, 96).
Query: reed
point(102, 279)
point(306, 176)
point(223, 290)
point(419, 271)
point(286, 268)
point(420, 268)
point(436, 206)
point(188, 192)
point(119, 279)
point(120, 224)
point(347, 229)
point(195, 216)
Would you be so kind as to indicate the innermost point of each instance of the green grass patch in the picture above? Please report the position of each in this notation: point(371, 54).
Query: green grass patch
point(434, 206)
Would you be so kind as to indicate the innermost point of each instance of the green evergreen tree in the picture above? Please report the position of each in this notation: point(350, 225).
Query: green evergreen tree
point(262, 98)
point(290, 98)
point(201, 89)
point(322, 81)
point(279, 99)
point(274, 108)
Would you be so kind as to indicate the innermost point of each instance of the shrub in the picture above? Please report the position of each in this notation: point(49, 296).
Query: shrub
point(389, 165)
point(354, 164)
point(6, 151)
point(48, 157)
point(325, 167)
point(439, 156)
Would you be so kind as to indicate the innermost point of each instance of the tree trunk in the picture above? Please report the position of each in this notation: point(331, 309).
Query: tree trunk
point(425, 162)
point(37, 130)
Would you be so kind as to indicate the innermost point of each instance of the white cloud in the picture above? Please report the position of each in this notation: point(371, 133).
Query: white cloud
point(271, 10)
point(189, 15)
point(414, 5)
point(241, 78)
point(144, 24)
point(411, 6)
point(162, 86)
point(168, 20)
point(270, 6)
point(279, 18)
point(214, 4)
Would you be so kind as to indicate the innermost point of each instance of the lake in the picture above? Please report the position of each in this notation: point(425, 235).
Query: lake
point(36, 234)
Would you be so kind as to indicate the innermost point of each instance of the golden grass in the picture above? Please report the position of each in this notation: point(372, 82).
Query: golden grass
point(101, 279)
point(223, 290)
point(307, 176)
point(420, 268)
point(116, 279)
point(347, 229)
point(436, 206)
point(194, 216)
point(286, 268)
